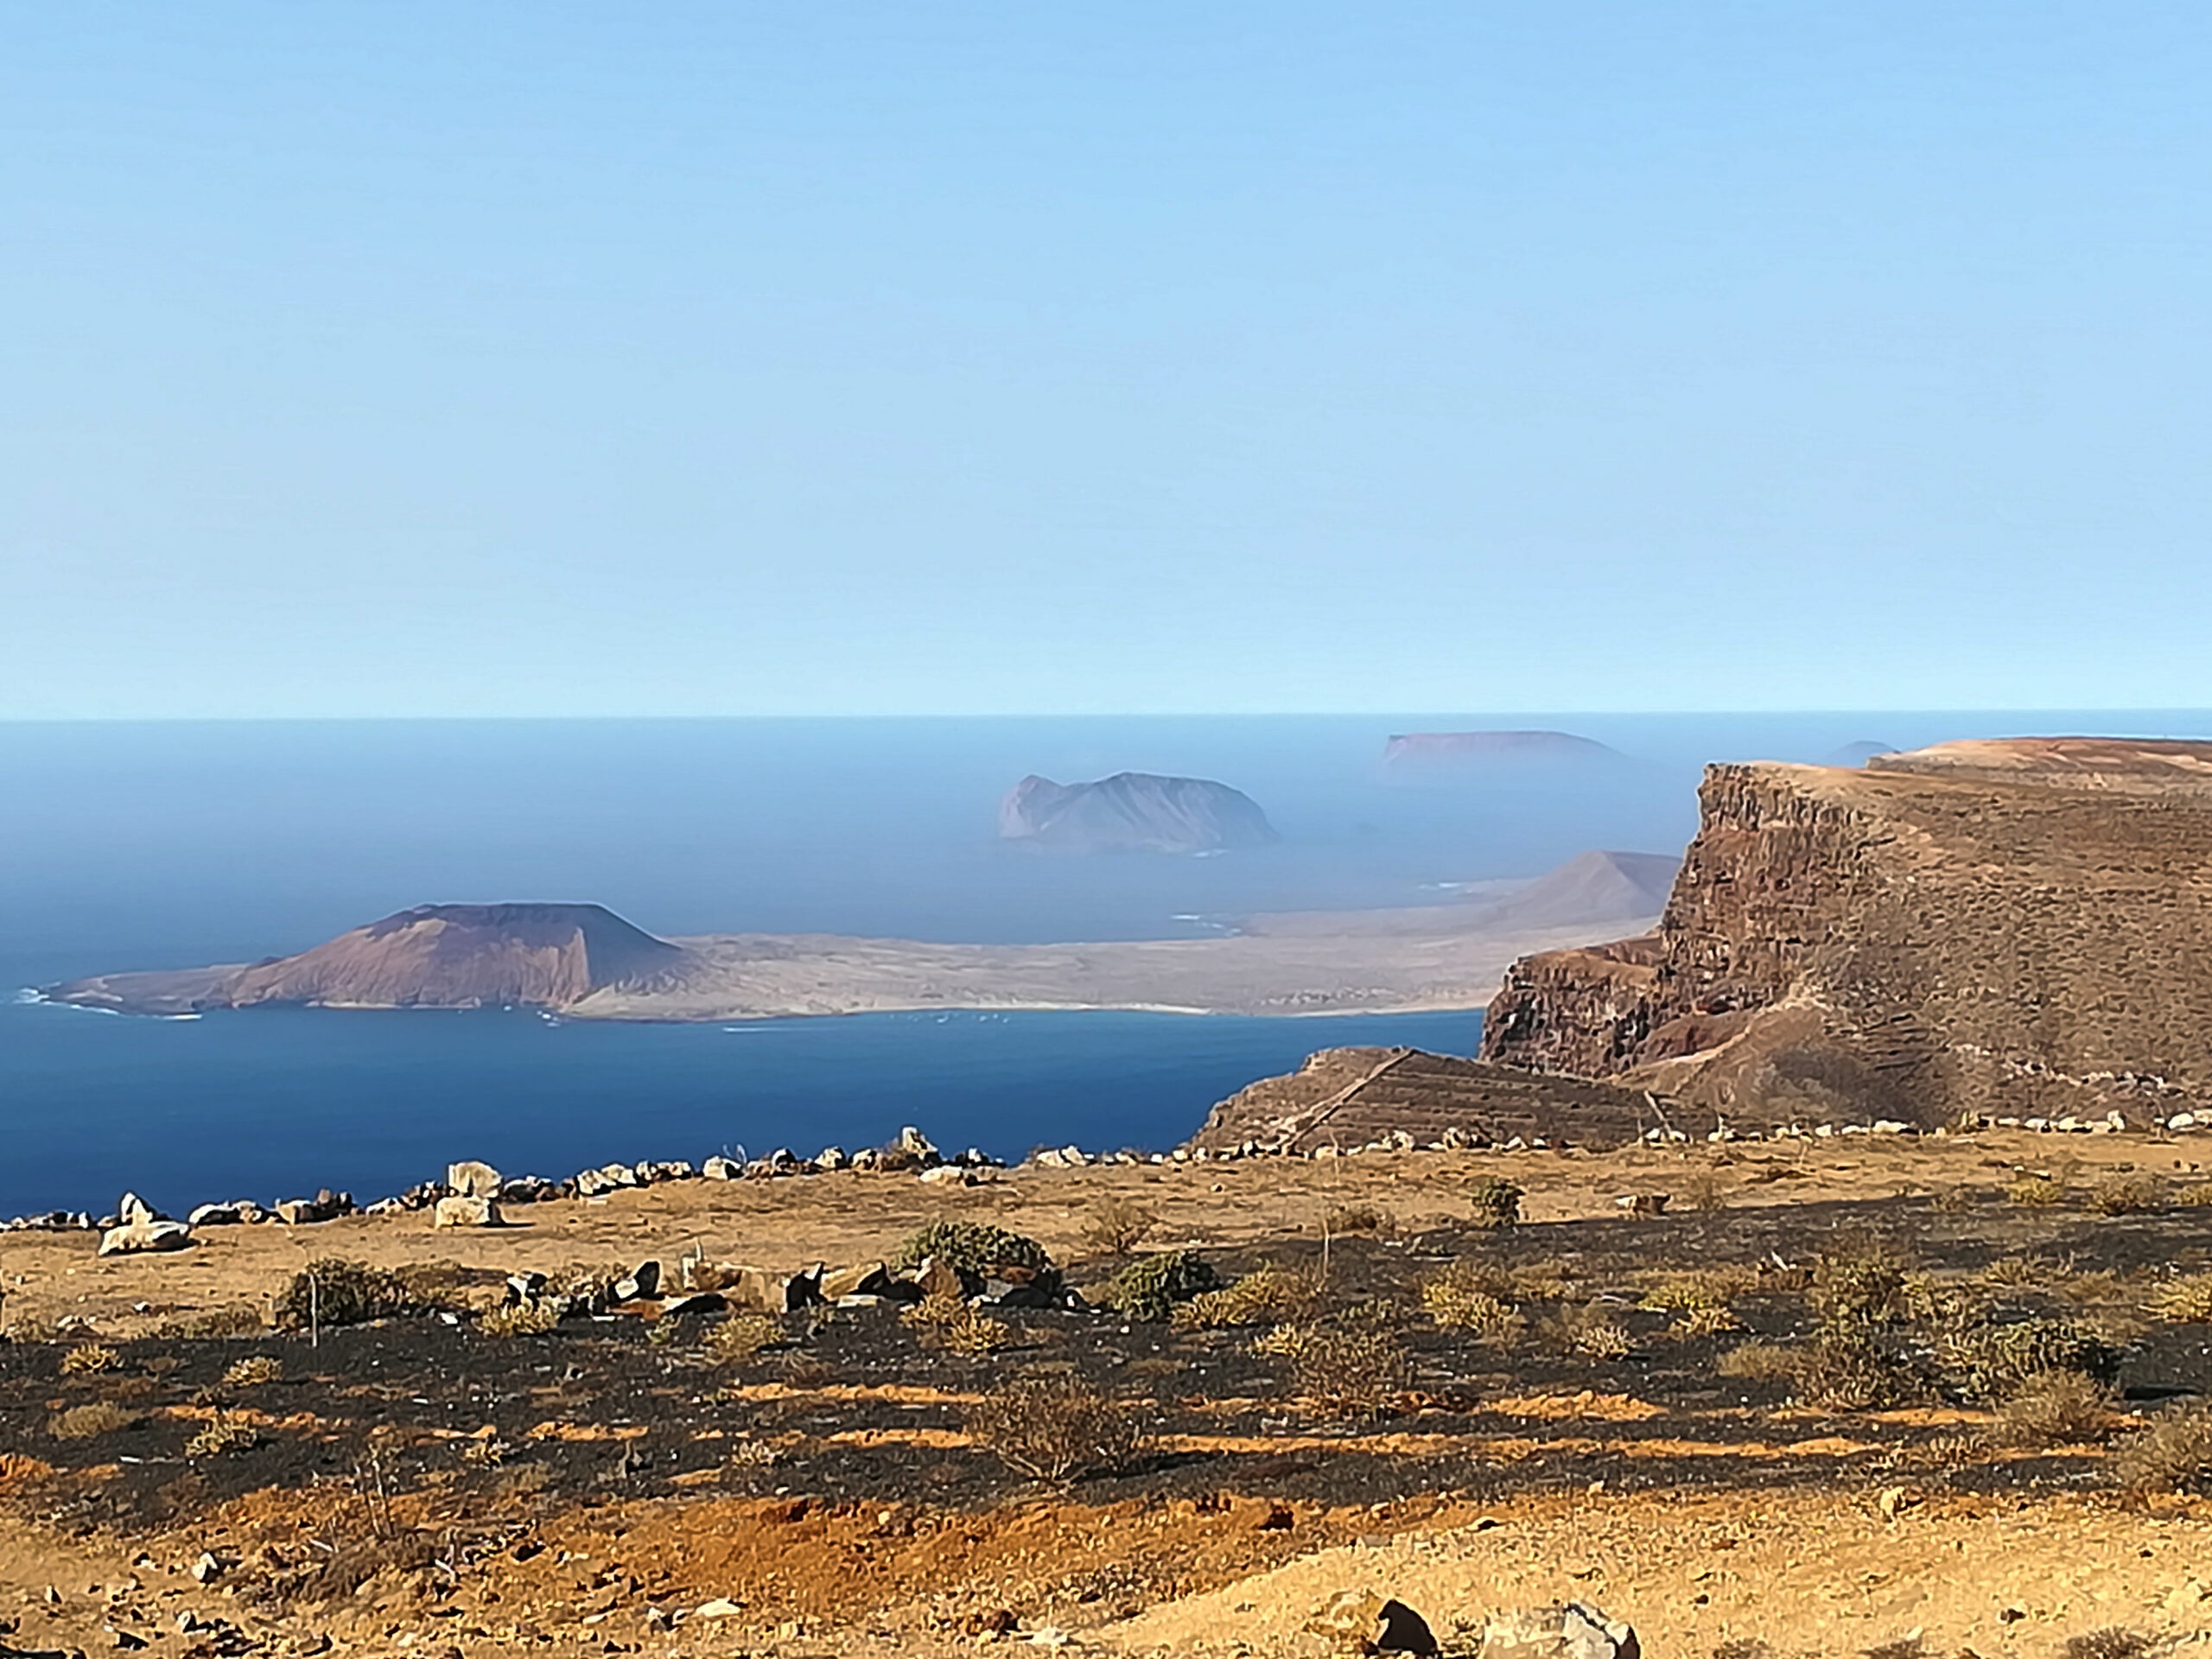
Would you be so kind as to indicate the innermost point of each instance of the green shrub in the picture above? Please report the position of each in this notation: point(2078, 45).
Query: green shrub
point(1147, 1291)
point(978, 1248)
point(1497, 1201)
point(335, 1292)
point(1269, 1295)
point(1990, 1361)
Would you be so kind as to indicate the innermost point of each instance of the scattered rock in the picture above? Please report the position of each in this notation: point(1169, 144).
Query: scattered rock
point(867, 1279)
point(949, 1175)
point(142, 1237)
point(467, 1211)
point(720, 1607)
point(1575, 1631)
point(832, 1158)
point(641, 1284)
point(719, 1168)
point(134, 1208)
point(237, 1212)
point(304, 1212)
point(915, 1144)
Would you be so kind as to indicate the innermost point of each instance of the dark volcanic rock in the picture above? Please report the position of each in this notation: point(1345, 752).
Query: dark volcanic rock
point(2016, 927)
point(547, 956)
point(1132, 812)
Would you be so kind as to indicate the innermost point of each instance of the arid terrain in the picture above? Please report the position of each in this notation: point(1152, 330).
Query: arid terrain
point(1835, 1394)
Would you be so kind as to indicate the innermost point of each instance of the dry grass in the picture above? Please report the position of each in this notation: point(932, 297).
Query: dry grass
point(1344, 1218)
point(2197, 1195)
point(1591, 1331)
point(2173, 1455)
point(2127, 1195)
point(1054, 1427)
point(1268, 1296)
point(1460, 1299)
point(89, 1359)
point(2055, 1408)
point(1356, 1371)
point(1759, 1361)
point(948, 1323)
point(2186, 1301)
point(220, 1437)
point(255, 1371)
point(743, 1335)
point(520, 1320)
point(1706, 1192)
point(1707, 1322)
point(1116, 1226)
point(1837, 1373)
point(2035, 1192)
point(89, 1422)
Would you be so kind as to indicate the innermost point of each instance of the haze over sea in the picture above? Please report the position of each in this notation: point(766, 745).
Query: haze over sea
point(136, 846)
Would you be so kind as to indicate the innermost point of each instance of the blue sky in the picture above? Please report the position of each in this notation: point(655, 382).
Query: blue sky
point(711, 359)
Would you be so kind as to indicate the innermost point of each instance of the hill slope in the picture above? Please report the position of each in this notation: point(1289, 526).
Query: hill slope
point(1132, 812)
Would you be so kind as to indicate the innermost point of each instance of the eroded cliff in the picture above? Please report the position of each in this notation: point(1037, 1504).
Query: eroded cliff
point(2021, 926)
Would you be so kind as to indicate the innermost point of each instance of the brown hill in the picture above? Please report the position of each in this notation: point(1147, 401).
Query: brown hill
point(548, 955)
point(2018, 927)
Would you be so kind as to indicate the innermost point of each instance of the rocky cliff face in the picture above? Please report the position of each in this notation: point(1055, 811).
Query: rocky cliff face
point(2016, 927)
point(550, 955)
point(1132, 812)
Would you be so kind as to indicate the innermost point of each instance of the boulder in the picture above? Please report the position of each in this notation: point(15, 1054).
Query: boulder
point(1359, 1620)
point(237, 1213)
point(462, 1211)
point(134, 1208)
point(145, 1235)
point(771, 1293)
point(472, 1179)
point(915, 1144)
point(864, 1279)
point(302, 1213)
point(698, 1302)
point(597, 1183)
point(641, 1284)
point(1574, 1631)
point(948, 1175)
point(832, 1158)
point(719, 1168)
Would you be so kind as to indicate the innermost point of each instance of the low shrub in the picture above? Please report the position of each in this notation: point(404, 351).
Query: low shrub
point(2054, 1408)
point(2035, 1192)
point(221, 1438)
point(1760, 1361)
point(520, 1320)
point(1354, 1370)
point(1707, 1321)
point(2186, 1301)
point(1356, 1218)
point(1054, 1427)
point(332, 1292)
point(89, 1422)
point(743, 1335)
point(1991, 1362)
point(1859, 1287)
point(1116, 1226)
point(2196, 1195)
point(1592, 1332)
point(2127, 1195)
point(255, 1371)
point(1270, 1295)
point(1497, 1201)
point(1461, 1298)
point(975, 1246)
point(89, 1359)
point(1147, 1291)
point(2172, 1454)
point(1837, 1372)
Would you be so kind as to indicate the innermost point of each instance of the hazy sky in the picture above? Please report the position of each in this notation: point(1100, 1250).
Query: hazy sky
point(722, 358)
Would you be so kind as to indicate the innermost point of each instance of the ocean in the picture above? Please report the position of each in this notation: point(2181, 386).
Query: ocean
point(151, 845)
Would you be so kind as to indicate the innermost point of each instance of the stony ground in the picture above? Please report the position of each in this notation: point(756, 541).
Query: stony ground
point(1651, 1412)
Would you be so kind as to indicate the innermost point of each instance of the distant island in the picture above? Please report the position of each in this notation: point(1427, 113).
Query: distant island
point(582, 960)
point(1132, 812)
point(1495, 751)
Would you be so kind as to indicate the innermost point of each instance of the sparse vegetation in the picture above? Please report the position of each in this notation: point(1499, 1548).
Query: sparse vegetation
point(1592, 1332)
point(974, 1247)
point(1707, 1322)
point(1759, 1361)
point(2113, 1642)
point(1859, 1287)
point(222, 1437)
point(1356, 1371)
point(2035, 1192)
point(1055, 1427)
point(743, 1335)
point(2197, 1195)
point(2186, 1301)
point(91, 1421)
point(1992, 1362)
point(1344, 1218)
point(2054, 1408)
point(1460, 1299)
point(90, 1358)
point(950, 1323)
point(2127, 1195)
point(1840, 1372)
point(1270, 1295)
point(1147, 1291)
point(2172, 1454)
point(333, 1292)
point(1706, 1191)
point(520, 1320)
point(255, 1371)
point(1116, 1226)
point(1497, 1201)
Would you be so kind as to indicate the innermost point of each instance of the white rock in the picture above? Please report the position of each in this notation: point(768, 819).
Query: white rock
point(136, 1237)
point(912, 1140)
point(2182, 1121)
point(720, 1607)
point(473, 1179)
point(460, 1212)
point(719, 1168)
point(134, 1208)
point(832, 1158)
point(1575, 1631)
point(949, 1175)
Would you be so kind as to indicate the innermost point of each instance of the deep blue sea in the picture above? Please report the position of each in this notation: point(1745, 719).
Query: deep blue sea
point(128, 846)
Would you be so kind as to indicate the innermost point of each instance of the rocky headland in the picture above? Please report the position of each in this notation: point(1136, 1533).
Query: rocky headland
point(2012, 929)
point(1504, 752)
point(1132, 812)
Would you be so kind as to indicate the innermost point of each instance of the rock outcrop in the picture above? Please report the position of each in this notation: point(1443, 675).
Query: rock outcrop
point(548, 956)
point(1132, 812)
point(2018, 927)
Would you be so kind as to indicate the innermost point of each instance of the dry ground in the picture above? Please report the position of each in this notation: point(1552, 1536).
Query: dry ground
point(420, 1485)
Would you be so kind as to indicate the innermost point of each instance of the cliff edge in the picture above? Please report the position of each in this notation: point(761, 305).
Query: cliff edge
point(2018, 927)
